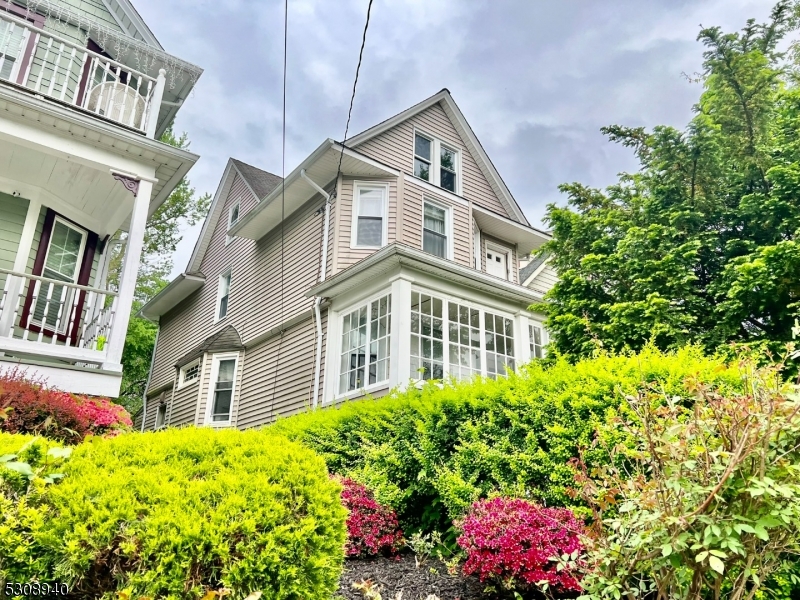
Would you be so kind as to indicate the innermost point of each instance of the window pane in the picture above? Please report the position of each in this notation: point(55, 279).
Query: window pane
point(448, 180)
point(422, 147)
point(226, 368)
point(370, 203)
point(370, 231)
point(223, 306)
point(62, 254)
point(434, 218)
point(434, 244)
point(448, 159)
point(364, 358)
point(422, 169)
point(222, 405)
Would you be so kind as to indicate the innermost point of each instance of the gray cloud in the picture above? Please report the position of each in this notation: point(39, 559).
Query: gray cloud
point(536, 80)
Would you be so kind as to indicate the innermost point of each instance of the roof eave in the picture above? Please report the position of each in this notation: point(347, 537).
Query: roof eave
point(180, 288)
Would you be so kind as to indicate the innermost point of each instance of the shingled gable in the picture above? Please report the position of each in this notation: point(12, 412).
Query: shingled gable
point(225, 340)
point(468, 137)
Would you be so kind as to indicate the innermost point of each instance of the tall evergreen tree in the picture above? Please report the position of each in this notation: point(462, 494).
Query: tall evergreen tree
point(701, 244)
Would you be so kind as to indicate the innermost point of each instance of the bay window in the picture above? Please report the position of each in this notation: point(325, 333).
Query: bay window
point(366, 334)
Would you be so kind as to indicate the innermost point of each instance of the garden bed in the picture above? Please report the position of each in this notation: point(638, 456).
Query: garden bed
point(401, 574)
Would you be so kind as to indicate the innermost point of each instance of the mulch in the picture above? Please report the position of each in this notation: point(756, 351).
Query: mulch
point(401, 574)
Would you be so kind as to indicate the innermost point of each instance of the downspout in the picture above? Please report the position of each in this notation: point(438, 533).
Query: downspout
point(322, 269)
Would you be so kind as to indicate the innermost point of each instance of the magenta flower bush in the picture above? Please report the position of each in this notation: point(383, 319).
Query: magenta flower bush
point(372, 528)
point(518, 544)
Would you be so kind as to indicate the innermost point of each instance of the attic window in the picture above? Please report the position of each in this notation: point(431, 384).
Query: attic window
point(233, 215)
point(436, 162)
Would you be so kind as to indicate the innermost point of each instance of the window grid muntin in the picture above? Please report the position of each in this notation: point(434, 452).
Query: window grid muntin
point(486, 351)
point(464, 340)
point(190, 372)
point(536, 336)
point(368, 326)
point(499, 338)
point(427, 336)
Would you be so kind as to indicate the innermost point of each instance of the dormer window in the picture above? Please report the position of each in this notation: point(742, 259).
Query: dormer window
point(436, 162)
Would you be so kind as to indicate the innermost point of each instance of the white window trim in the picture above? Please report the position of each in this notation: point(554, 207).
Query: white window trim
point(357, 186)
point(231, 222)
point(212, 382)
point(222, 276)
point(494, 247)
point(482, 310)
point(182, 374)
point(436, 160)
point(336, 338)
point(448, 224)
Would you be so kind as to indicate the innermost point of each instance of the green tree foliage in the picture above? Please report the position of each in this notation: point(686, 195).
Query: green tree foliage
point(177, 514)
point(430, 453)
point(183, 207)
point(704, 501)
point(701, 243)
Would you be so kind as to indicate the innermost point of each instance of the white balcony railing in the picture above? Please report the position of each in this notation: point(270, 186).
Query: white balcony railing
point(55, 319)
point(55, 67)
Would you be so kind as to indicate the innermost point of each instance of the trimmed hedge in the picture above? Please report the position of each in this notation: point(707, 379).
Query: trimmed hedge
point(176, 513)
point(430, 453)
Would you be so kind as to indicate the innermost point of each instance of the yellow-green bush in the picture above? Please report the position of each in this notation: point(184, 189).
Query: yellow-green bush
point(172, 514)
point(430, 453)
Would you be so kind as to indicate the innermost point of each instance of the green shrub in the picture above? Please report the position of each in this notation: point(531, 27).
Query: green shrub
point(173, 514)
point(430, 453)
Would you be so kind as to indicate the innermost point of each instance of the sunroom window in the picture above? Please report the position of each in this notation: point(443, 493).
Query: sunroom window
point(366, 334)
point(464, 329)
point(536, 340)
point(427, 336)
point(434, 230)
point(499, 333)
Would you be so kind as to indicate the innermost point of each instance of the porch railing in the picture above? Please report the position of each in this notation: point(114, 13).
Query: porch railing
point(48, 317)
point(54, 66)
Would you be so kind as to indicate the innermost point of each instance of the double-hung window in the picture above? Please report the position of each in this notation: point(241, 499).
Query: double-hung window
point(161, 416)
point(223, 293)
point(436, 162)
point(366, 334)
point(223, 376)
point(435, 230)
point(369, 216)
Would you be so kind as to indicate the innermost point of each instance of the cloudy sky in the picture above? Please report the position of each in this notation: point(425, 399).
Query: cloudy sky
point(536, 79)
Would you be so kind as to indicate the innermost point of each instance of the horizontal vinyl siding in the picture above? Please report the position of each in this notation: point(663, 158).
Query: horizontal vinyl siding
point(412, 222)
point(184, 405)
point(278, 376)
point(346, 255)
point(545, 280)
point(14, 211)
point(395, 147)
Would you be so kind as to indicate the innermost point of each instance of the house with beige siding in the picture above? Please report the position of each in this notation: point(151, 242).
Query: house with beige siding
point(86, 91)
point(386, 261)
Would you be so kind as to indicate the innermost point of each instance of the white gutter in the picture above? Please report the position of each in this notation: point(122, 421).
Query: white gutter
point(322, 269)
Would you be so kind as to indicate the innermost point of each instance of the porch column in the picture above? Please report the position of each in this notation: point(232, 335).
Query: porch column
point(15, 284)
point(130, 269)
point(400, 341)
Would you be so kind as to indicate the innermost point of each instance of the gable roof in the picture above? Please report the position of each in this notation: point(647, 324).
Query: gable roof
point(531, 267)
point(224, 340)
point(260, 182)
point(467, 135)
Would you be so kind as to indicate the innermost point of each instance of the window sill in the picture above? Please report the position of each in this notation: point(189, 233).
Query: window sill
point(218, 424)
point(381, 385)
point(438, 187)
point(186, 384)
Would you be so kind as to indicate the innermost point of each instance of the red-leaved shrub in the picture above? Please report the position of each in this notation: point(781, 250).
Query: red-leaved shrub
point(28, 406)
point(515, 542)
point(371, 527)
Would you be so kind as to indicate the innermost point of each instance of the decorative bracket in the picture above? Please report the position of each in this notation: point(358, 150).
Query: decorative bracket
point(131, 184)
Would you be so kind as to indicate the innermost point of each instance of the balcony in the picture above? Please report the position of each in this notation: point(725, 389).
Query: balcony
point(48, 65)
point(48, 319)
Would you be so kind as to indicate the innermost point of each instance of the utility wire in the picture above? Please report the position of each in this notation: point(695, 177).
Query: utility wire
point(355, 84)
point(283, 197)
